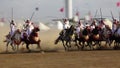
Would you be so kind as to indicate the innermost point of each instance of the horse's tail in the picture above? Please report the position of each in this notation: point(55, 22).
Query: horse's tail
point(57, 40)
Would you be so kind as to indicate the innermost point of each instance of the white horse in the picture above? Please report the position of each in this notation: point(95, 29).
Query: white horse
point(14, 41)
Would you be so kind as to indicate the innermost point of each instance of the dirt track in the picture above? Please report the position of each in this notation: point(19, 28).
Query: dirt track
point(75, 59)
point(58, 58)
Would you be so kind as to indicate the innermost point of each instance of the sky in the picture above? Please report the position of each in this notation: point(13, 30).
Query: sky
point(49, 9)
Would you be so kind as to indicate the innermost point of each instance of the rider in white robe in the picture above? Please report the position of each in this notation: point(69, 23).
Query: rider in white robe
point(66, 24)
point(12, 28)
point(79, 28)
point(114, 26)
point(29, 28)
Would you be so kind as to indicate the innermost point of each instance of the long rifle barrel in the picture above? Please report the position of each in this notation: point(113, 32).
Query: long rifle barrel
point(112, 15)
point(101, 13)
point(32, 16)
point(96, 13)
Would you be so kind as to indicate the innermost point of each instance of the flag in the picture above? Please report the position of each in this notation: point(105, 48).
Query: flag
point(36, 8)
point(118, 4)
point(61, 9)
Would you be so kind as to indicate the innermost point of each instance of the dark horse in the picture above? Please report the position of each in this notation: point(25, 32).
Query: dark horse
point(95, 36)
point(98, 35)
point(32, 39)
point(83, 39)
point(66, 36)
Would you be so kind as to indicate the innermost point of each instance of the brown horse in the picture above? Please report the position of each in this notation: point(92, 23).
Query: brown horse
point(83, 39)
point(32, 39)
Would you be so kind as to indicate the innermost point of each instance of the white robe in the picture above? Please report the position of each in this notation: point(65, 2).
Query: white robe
point(66, 25)
point(118, 31)
point(29, 29)
point(12, 29)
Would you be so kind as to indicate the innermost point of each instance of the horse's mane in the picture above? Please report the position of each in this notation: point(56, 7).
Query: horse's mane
point(71, 29)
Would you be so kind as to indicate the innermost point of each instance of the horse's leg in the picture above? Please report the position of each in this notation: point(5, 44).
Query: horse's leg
point(38, 46)
point(12, 45)
point(76, 41)
point(89, 43)
point(83, 44)
point(17, 48)
point(27, 46)
point(57, 40)
point(69, 44)
point(7, 46)
point(64, 45)
point(78, 45)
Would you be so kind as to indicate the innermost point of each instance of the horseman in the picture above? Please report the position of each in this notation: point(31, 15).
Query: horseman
point(79, 28)
point(114, 26)
point(93, 25)
point(95, 32)
point(66, 26)
point(86, 31)
point(12, 28)
point(28, 27)
point(117, 31)
point(102, 25)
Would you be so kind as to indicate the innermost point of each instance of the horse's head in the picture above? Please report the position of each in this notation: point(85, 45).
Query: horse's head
point(71, 29)
point(18, 31)
point(36, 29)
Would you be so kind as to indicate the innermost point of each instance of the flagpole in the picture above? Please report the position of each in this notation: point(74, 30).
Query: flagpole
point(12, 13)
point(36, 9)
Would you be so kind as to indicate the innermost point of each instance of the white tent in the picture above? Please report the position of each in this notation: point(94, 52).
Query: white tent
point(59, 25)
point(1, 24)
point(43, 26)
point(108, 22)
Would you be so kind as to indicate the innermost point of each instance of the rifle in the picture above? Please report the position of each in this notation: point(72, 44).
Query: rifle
point(12, 14)
point(36, 9)
point(119, 17)
point(96, 13)
point(101, 13)
point(112, 16)
point(32, 16)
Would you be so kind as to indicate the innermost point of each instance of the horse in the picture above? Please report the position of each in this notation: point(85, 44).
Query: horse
point(83, 38)
point(14, 41)
point(66, 36)
point(116, 38)
point(32, 39)
point(98, 35)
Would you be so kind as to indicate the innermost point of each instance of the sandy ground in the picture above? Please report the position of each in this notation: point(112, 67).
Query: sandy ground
point(55, 56)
